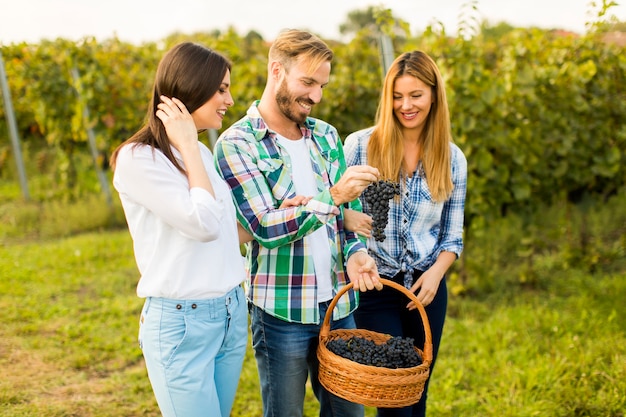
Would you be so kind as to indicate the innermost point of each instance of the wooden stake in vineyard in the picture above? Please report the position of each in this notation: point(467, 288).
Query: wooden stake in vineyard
point(15, 140)
point(92, 139)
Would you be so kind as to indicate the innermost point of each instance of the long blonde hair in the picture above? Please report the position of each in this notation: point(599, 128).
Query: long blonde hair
point(385, 150)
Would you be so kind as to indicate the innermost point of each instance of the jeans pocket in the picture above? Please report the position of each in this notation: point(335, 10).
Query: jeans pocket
point(172, 336)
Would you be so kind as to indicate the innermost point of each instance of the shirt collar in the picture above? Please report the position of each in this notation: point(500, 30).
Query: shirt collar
point(260, 129)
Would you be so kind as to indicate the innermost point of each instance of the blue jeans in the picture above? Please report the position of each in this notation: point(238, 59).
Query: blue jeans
point(286, 354)
point(194, 352)
point(385, 312)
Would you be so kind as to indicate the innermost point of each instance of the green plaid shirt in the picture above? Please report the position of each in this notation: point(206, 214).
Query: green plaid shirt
point(280, 266)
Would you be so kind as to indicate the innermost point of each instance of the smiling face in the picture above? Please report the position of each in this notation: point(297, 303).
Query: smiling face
point(211, 114)
point(412, 100)
point(298, 91)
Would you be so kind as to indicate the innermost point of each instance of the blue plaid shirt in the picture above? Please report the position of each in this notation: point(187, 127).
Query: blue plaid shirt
point(419, 229)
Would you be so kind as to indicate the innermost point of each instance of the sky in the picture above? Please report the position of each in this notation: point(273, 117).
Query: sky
point(139, 21)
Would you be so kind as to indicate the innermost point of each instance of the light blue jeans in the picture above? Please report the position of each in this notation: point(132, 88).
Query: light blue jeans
point(194, 352)
point(286, 354)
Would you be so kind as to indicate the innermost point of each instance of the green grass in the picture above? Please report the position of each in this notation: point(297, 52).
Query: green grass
point(554, 353)
point(42, 220)
point(535, 324)
point(68, 342)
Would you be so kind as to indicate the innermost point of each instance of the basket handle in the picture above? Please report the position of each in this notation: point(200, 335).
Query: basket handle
point(428, 343)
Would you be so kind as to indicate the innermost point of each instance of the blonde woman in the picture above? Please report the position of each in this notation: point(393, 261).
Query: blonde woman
point(411, 143)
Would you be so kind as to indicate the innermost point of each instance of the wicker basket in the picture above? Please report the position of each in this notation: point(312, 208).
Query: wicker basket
point(372, 386)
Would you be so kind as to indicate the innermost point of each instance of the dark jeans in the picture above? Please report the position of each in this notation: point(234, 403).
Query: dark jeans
point(286, 355)
point(385, 312)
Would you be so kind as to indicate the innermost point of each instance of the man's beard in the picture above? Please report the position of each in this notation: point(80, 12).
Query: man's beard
point(285, 100)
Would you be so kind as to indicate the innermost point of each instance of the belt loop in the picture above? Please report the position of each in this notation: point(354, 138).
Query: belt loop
point(147, 304)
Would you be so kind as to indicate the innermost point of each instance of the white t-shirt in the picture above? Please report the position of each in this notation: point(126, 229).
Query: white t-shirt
point(185, 240)
point(304, 181)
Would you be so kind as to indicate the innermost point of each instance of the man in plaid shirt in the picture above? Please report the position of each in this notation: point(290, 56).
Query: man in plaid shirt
point(301, 256)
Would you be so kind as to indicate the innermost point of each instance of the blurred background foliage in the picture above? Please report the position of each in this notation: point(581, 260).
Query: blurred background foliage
point(540, 115)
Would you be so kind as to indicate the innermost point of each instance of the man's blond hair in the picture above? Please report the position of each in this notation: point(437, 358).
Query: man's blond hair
point(293, 46)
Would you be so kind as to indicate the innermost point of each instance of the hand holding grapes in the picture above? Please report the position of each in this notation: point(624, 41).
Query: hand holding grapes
point(352, 183)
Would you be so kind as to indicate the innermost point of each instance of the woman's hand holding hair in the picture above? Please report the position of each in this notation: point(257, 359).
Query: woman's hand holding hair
point(179, 125)
point(183, 135)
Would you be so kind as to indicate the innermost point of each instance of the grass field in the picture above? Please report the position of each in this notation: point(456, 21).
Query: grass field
point(68, 346)
point(68, 342)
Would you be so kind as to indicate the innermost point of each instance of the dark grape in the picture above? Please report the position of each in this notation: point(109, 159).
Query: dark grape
point(377, 196)
point(396, 352)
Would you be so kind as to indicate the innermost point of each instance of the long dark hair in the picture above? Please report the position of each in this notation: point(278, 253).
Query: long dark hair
point(190, 72)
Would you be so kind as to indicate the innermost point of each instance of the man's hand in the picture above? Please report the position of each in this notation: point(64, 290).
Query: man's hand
point(357, 222)
point(363, 273)
point(296, 201)
point(352, 183)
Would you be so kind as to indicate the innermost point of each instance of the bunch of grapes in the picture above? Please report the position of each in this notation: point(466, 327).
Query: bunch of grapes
point(396, 352)
point(377, 196)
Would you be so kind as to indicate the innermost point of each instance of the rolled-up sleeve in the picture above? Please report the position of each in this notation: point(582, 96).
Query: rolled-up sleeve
point(452, 217)
point(238, 162)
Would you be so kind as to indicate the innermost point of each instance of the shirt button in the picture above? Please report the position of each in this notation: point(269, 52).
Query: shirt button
point(178, 306)
point(194, 306)
point(405, 220)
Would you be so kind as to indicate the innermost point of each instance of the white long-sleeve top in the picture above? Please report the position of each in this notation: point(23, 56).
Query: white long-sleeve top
point(185, 241)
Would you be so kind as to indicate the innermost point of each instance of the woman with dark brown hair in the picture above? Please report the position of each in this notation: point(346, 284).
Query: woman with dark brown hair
point(193, 325)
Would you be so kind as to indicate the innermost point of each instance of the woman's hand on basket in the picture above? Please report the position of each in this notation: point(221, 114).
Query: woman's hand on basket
point(363, 272)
